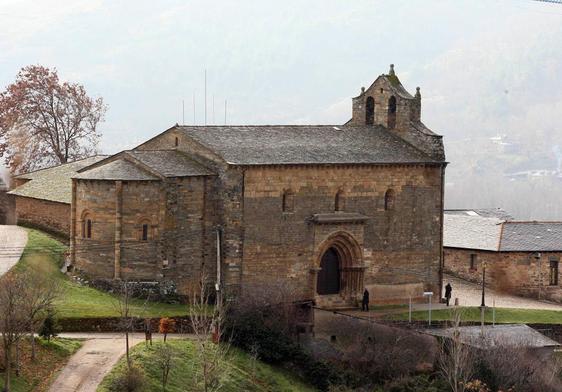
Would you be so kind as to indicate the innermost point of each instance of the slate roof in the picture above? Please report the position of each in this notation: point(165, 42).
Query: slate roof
point(507, 335)
point(170, 163)
point(494, 234)
point(532, 236)
point(54, 183)
point(305, 144)
point(471, 232)
point(119, 169)
point(122, 166)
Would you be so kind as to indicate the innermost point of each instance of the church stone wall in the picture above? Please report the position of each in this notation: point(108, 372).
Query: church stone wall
point(95, 256)
point(400, 247)
point(43, 214)
point(7, 207)
point(179, 213)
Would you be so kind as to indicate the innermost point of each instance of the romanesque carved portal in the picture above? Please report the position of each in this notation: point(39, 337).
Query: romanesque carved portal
point(341, 267)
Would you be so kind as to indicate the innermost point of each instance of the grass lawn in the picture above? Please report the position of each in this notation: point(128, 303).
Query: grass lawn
point(51, 357)
point(244, 374)
point(503, 315)
point(45, 254)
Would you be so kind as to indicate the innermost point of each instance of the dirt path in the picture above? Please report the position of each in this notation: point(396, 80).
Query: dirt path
point(87, 368)
point(12, 242)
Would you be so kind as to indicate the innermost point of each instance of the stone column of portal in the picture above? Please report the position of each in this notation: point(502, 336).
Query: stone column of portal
point(73, 224)
point(118, 220)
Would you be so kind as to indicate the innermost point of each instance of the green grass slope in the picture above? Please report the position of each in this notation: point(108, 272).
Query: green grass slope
point(245, 374)
point(45, 254)
point(503, 315)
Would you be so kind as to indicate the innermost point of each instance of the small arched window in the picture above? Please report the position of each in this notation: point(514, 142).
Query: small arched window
point(144, 230)
point(340, 201)
point(392, 112)
point(288, 201)
point(86, 226)
point(370, 111)
point(177, 142)
point(389, 200)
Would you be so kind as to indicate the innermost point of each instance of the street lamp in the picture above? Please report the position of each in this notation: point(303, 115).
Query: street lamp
point(483, 304)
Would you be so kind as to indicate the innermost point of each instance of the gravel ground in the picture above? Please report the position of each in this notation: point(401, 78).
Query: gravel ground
point(470, 294)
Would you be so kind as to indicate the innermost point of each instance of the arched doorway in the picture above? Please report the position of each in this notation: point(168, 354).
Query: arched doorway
point(339, 267)
point(329, 274)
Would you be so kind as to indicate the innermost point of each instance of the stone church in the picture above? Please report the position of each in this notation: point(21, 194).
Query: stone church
point(326, 210)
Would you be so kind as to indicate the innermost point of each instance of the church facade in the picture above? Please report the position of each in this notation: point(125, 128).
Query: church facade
point(325, 211)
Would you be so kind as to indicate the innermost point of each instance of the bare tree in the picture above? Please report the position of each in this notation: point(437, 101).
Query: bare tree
point(13, 322)
point(40, 295)
point(210, 346)
point(122, 304)
point(166, 356)
point(456, 359)
point(44, 121)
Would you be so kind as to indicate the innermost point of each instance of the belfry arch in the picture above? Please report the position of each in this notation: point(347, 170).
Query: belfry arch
point(339, 257)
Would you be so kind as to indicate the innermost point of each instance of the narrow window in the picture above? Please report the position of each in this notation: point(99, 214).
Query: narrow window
point(144, 235)
point(391, 112)
point(389, 200)
point(177, 142)
point(370, 111)
point(339, 202)
point(554, 272)
point(288, 201)
point(89, 228)
point(473, 262)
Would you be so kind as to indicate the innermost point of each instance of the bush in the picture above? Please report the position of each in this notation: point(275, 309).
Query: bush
point(49, 328)
point(132, 380)
point(519, 369)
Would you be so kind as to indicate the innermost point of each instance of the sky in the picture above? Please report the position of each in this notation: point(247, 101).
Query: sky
point(484, 67)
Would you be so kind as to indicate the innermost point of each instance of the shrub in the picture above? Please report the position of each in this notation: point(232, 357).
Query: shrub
point(49, 328)
point(132, 380)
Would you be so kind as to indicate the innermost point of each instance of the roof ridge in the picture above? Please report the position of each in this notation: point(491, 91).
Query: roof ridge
point(60, 164)
point(533, 221)
point(501, 236)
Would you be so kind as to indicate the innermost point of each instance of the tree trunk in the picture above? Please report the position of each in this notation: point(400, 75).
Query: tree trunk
point(127, 344)
point(33, 351)
point(17, 358)
point(7, 365)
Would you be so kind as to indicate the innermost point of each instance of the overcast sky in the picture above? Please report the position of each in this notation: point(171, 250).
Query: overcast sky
point(483, 66)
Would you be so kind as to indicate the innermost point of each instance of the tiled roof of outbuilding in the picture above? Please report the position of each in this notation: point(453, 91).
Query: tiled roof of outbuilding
point(305, 144)
point(494, 234)
point(54, 183)
point(532, 237)
point(471, 232)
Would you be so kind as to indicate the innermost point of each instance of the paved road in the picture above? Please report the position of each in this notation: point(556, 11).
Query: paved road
point(12, 241)
point(470, 294)
point(89, 365)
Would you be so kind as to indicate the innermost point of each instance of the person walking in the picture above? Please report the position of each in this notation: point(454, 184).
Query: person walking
point(448, 290)
point(365, 302)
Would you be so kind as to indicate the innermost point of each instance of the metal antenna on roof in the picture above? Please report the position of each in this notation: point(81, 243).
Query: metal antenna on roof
point(225, 112)
point(205, 96)
point(193, 107)
point(183, 112)
point(214, 109)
